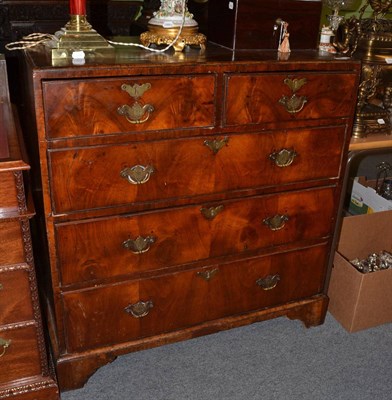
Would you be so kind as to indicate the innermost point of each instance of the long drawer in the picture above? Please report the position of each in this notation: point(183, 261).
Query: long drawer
point(15, 294)
point(126, 245)
point(106, 315)
point(109, 106)
point(262, 98)
point(103, 176)
point(19, 349)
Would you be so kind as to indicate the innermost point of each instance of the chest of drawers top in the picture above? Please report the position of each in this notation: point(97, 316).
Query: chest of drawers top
point(139, 114)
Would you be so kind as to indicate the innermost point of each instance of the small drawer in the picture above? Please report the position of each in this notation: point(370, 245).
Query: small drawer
point(105, 176)
point(123, 312)
point(126, 245)
point(15, 294)
point(11, 192)
point(109, 106)
point(11, 242)
point(263, 98)
point(19, 352)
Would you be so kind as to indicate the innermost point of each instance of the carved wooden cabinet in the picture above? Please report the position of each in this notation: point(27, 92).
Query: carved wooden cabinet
point(185, 193)
point(25, 372)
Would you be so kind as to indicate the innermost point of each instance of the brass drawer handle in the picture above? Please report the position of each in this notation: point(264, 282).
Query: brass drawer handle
point(4, 344)
point(137, 174)
point(216, 144)
point(139, 309)
point(139, 245)
point(268, 282)
point(208, 275)
point(138, 112)
point(283, 158)
point(294, 104)
point(276, 222)
point(212, 212)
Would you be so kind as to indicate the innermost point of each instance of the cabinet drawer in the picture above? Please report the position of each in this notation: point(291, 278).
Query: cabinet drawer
point(104, 176)
point(125, 245)
point(11, 242)
point(21, 356)
point(8, 192)
point(15, 294)
point(263, 98)
point(107, 106)
point(103, 316)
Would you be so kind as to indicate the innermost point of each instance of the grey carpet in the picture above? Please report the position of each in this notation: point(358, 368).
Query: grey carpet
point(278, 359)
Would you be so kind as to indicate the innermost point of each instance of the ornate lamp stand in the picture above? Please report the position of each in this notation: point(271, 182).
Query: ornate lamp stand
point(163, 28)
point(78, 35)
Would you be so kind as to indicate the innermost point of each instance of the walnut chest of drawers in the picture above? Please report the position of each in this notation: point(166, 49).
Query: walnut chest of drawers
point(184, 193)
point(24, 366)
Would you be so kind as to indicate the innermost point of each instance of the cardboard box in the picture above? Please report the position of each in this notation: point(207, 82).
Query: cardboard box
point(360, 301)
point(364, 198)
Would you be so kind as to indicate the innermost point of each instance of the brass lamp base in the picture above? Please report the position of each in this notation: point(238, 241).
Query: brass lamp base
point(78, 35)
point(159, 35)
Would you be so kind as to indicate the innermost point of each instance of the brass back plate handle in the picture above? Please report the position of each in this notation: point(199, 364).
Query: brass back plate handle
point(4, 344)
point(138, 174)
point(139, 245)
point(283, 158)
point(138, 112)
point(294, 103)
point(208, 274)
point(139, 309)
point(268, 282)
point(276, 222)
point(211, 212)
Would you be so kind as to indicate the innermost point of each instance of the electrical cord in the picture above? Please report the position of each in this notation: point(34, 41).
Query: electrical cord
point(34, 39)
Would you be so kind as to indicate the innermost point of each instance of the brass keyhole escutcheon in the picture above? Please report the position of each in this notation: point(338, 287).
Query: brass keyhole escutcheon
point(216, 144)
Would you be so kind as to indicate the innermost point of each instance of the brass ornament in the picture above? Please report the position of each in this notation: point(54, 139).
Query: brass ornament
point(164, 36)
point(370, 39)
